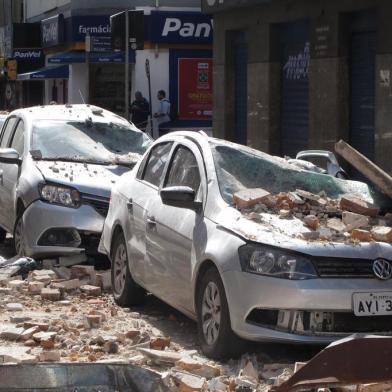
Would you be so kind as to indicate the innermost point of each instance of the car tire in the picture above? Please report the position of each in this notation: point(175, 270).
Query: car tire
point(18, 236)
point(126, 291)
point(212, 305)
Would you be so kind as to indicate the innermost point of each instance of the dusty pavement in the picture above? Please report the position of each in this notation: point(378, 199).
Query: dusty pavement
point(86, 326)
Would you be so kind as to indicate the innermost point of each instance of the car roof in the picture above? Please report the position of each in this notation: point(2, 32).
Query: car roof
point(78, 112)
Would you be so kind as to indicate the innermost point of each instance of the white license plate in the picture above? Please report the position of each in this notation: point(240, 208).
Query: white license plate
point(373, 304)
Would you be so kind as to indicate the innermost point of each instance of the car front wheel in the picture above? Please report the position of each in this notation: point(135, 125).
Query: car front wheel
point(126, 291)
point(215, 334)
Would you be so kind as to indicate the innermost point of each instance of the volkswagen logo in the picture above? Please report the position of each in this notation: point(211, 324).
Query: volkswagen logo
point(382, 269)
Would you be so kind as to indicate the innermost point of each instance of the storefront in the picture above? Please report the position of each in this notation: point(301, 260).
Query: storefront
point(306, 73)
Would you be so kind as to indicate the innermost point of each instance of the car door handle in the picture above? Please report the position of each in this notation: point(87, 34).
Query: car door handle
point(130, 204)
point(151, 221)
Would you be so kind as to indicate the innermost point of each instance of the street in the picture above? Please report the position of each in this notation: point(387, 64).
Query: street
point(122, 335)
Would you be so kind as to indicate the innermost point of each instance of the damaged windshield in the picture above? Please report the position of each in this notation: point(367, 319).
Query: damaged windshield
point(240, 167)
point(90, 141)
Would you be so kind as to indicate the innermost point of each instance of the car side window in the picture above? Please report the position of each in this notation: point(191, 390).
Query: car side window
point(7, 130)
point(140, 171)
point(184, 170)
point(156, 163)
point(18, 138)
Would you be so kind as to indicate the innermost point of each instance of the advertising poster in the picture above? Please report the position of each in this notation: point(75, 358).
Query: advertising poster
point(195, 88)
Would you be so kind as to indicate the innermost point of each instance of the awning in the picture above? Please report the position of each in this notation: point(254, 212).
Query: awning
point(60, 72)
point(75, 56)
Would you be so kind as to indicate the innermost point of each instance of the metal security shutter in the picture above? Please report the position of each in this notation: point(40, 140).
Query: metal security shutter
point(295, 88)
point(241, 87)
point(362, 67)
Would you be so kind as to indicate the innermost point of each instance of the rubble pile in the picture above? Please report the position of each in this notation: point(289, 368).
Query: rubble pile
point(68, 315)
point(347, 219)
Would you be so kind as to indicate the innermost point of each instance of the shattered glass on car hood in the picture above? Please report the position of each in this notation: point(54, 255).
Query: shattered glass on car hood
point(240, 167)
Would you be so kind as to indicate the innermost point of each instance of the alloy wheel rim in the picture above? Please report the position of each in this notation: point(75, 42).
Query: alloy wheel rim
point(120, 269)
point(18, 237)
point(211, 313)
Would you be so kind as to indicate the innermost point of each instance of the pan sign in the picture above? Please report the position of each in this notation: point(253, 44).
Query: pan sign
point(180, 27)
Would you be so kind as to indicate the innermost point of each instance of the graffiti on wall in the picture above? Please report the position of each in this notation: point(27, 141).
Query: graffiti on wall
point(297, 66)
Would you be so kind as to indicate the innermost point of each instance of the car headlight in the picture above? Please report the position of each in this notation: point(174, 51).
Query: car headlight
point(59, 194)
point(264, 260)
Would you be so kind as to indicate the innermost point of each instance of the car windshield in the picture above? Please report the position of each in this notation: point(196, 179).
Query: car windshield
point(239, 167)
point(106, 142)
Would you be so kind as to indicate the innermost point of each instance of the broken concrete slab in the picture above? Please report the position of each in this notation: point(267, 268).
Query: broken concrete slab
point(199, 368)
point(11, 333)
point(353, 203)
point(382, 233)
point(161, 357)
point(93, 291)
point(354, 221)
point(247, 198)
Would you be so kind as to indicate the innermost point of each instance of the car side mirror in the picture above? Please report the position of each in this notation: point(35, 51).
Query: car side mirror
point(179, 196)
point(9, 155)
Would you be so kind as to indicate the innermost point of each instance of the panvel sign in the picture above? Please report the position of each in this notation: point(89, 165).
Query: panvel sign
point(180, 27)
point(195, 88)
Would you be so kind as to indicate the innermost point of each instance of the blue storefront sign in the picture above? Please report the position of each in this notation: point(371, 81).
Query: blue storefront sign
point(101, 43)
point(97, 26)
point(52, 31)
point(180, 27)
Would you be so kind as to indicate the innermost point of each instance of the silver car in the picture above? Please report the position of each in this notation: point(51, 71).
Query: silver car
point(172, 230)
point(57, 167)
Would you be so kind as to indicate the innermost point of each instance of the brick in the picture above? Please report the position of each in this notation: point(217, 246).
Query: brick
point(28, 333)
point(35, 287)
point(159, 343)
point(62, 272)
point(94, 320)
point(67, 285)
point(51, 294)
point(312, 221)
point(336, 224)
point(354, 221)
point(14, 307)
point(45, 279)
point(44, 336)
point(361, 235)
point(84, 271)
point(355, 204)
point(16, 284)
point(50, 356)
point(187, 382)
point(41, 325)
point(104, 280)
point(382, 233)
point(94, 291)
point(11, 333)
point(199, 368)
point(247, 198)
point(39, 273)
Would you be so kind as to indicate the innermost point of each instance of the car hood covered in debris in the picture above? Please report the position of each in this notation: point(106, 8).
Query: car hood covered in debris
point(291, 195)
point(86, 177)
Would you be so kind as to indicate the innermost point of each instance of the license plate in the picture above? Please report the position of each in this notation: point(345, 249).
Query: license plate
point(373, 304)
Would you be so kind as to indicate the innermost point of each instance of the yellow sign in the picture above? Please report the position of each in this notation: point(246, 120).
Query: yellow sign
point(12, 72)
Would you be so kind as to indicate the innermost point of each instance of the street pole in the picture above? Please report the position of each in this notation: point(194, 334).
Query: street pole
point(88, 49)
point(148, 74)
point(126, 64)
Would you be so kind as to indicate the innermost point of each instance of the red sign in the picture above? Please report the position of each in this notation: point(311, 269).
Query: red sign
point(195, 89)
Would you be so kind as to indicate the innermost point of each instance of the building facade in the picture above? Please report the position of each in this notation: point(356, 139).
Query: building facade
point(177, 43)
point(291, 75)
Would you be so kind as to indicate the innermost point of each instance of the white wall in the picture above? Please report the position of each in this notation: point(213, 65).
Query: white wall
point(77, 81)
point(38, 7)
point(159, 68)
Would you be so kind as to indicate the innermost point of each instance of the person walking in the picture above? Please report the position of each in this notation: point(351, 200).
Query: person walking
point(140, 109)
point(162, 116)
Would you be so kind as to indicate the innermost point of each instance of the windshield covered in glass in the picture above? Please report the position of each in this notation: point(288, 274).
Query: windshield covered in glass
point(240, 167)
point(105, 142)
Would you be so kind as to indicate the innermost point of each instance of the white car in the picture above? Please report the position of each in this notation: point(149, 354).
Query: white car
point(172, 230)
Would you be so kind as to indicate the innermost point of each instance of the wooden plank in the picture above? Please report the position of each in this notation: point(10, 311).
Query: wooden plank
point(365, 166)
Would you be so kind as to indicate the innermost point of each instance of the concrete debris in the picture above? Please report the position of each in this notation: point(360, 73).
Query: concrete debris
point(14, 307)
point(11, 333)
point(93, 291)
point(196, 367)
point(348, 219)
point(49, 356)
point(51, 294)
point(188, 382)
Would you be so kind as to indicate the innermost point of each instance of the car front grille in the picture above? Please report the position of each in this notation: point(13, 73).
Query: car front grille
point(344, 268)
point(100, 204)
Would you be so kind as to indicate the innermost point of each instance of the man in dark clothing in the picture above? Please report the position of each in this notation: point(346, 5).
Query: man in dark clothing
point(140, 110)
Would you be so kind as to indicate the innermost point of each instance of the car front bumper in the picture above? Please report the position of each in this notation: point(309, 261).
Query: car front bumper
point(292, 304)
point(40, 220)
